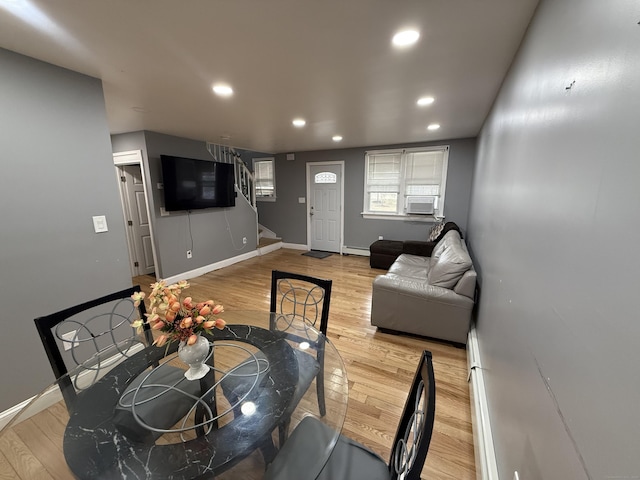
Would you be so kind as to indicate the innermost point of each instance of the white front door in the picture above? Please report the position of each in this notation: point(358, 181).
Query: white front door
point(137, 220)
point(325, 205)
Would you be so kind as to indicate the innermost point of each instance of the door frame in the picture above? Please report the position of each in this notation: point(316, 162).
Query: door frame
point(120, 159)
point(308, 209)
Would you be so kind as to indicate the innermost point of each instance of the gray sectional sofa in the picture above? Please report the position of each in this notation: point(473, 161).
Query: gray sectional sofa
point(431, 296)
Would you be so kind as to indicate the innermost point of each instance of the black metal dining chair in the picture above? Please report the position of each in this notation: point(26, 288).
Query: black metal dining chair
point(351, 460)
point(303, 297)
point(89, 338)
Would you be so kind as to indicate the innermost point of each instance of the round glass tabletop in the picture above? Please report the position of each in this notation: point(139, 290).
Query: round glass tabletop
point(136, 415)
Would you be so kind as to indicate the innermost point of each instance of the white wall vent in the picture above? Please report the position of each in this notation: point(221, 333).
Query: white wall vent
point(420, 205)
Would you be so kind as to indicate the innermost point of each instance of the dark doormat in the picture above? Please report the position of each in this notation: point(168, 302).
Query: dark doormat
point(317, 254)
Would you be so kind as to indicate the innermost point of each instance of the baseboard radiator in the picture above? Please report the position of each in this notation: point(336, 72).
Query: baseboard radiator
point(486, 467)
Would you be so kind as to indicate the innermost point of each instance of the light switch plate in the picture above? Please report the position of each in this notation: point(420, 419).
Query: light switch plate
point(301, 200)
point(100, 224)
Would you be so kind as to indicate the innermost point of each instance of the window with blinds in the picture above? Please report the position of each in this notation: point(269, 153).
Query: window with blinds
point(397, 180)
point(264, 178)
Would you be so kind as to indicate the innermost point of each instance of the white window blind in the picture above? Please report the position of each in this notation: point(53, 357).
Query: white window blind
point(393, 175)
point(264, 177)
point(383, 182)
point(424, 173)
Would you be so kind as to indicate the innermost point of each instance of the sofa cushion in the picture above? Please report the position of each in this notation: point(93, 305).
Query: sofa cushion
point(449, 266)
point(412, 266)
point(451, 236)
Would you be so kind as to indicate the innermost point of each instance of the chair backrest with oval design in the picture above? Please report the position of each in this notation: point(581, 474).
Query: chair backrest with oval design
point(302, 296)
point(409, 450)
point(93, 336)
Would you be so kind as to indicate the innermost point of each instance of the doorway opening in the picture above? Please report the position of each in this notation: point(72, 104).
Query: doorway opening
point(135, 210)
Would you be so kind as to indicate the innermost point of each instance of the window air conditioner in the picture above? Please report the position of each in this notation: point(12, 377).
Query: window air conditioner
point(421, 205)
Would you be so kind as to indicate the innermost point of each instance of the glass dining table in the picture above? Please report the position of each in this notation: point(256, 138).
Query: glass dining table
point(236, 415)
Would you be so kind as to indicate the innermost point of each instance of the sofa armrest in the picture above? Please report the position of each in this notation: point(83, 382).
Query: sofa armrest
point(417, 247)
point(467, 284)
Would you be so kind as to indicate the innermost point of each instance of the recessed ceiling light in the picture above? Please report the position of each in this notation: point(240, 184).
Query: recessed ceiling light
point(223, 90)
point(425, 101)
point(433, 126)
point(299, 122)
point(336, 138)
point(405, 38)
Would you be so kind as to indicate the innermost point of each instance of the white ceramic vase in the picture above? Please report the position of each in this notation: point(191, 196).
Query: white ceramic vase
point(195, 355)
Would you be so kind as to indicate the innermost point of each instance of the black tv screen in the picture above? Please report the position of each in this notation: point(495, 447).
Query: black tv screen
point(190, 184)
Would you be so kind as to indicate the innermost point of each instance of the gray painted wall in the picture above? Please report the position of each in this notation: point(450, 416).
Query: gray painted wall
point(57, 173)
point(213, 234)
point(554, 230)
point(288, 218)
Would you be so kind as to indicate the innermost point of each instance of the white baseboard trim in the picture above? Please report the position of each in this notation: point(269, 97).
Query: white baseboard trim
point(485, 455)
point(8, 414)
point(211, 267)
point(265, 232)
point(295, 246)
point(53, 395)
point(270, 248)
point(364, 252)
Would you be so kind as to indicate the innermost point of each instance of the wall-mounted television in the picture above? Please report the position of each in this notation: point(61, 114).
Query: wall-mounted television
point(191, 184)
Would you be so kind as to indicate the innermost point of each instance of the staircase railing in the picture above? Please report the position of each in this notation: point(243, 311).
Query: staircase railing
point(245, 183)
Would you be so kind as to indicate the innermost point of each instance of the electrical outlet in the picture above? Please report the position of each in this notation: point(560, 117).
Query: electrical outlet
point(68, 339)
point(189, 254)
point(244, 240)
point(380, 237)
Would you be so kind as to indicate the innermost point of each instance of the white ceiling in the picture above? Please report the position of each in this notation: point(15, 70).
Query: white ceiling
point(328, 61)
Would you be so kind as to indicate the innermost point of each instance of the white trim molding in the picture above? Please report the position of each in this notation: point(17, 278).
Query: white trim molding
point(270, 248)
point(363, 252)
point(53, 395)
point(211, 267)
point(127, 158)
point(485, 455)
point(265, 232)
point(295, 246)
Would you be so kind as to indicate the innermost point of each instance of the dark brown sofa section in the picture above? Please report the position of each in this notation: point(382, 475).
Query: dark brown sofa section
point(383, 253)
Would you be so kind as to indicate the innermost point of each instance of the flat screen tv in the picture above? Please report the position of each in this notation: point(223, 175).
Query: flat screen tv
point(191, 184)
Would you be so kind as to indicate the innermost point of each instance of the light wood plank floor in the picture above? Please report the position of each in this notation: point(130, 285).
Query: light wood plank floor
point(380, 366)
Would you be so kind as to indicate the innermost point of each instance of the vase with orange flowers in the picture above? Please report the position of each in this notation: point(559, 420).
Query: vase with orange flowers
point(182, 320)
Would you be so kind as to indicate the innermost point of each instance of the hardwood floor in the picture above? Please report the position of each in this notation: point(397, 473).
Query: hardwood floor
point(379, 366)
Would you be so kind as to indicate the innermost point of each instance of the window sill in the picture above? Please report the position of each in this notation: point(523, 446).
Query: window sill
point(265, 199)
point(406, 218)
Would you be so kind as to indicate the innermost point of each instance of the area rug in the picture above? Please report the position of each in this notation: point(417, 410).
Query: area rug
point(317, 254)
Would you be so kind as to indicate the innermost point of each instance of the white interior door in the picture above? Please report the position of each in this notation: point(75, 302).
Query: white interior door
point(137, 220)
point(325, 206)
